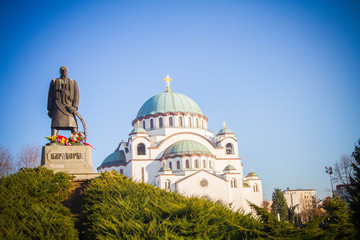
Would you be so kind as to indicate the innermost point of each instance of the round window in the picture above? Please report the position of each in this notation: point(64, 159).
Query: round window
point(203, 183)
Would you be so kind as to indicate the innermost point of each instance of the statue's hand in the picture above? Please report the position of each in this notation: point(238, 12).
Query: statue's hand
point(50, 114)
point(71, 109)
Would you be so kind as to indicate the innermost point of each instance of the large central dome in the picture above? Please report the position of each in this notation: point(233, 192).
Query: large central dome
point(169, 102)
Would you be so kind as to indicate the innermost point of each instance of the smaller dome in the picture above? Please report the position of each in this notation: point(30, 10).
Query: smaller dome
point(164, 168)
point(116, 158)
point(229, 168)
point(186, 147)
point(224, 131)
point(138, 129)
point(252, 174)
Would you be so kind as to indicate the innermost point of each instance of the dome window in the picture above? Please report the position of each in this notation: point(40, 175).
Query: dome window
point(204, 164)
point(187, 164)
point(229, 149)
point(171, 124)
point(189, 121)
point(196, 164)
point(197, 122)
point(160, 122)
point(170, 165)
point(178, 165)
point(122, 171)
point(210, 166)
point(140, 149)
point(151, 123)
point(180, 121)
point(144, 125)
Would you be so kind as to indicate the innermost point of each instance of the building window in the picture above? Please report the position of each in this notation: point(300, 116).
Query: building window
point(144, 126)
point(167, 184)
point(189, 121)
point(171, 121)
point(255, 188)
point(180, 122)
point(160, 122)
point(210, 166)
point(170, 165)
point(121, 171)
point(203, 183)
point(229, 149)
point(151, 123)
point(142, 174)
point(204, 164)
point(178, 165)
point(233, 183)
point(141, 149)
point(187, 164)
point(196, 164)
point(197, 122)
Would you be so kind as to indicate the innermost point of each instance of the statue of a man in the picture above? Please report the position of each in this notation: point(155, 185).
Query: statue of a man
point(63, 102)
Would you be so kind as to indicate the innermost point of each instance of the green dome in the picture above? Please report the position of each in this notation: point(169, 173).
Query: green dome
point(252, 174)
point(116, 158)
point(169, 102)
point(186, 147)
point(224, 131)
point(164, 168)
point(138, 130)
point(229, 167)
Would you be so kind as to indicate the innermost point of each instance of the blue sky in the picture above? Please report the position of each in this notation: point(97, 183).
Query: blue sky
point(284, 75)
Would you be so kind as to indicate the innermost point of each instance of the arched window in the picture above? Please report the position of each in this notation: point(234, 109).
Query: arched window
point(204, 164)
point(255, 188)
point(170, 165)
point(197, 122)
point(141, 149)
point(210, 166)
point(171, 121)
point(180, 122)
point(196, 164)
point(167, 184)
point(189, 121)
point(233, 183)
point(187, 164)
point(121, 171)
point(229, 149)
point(151, 123)
point(178, 165)
point(160, 123)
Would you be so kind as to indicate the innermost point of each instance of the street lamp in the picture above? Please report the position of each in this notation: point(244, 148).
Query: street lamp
point(330, 171)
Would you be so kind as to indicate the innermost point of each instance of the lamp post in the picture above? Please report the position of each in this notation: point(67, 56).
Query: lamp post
point(329, 171)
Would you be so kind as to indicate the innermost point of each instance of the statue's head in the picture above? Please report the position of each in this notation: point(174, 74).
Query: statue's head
point(63, 70)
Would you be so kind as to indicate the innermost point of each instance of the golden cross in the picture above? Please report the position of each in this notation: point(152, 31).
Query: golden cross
point(224, 124)
point(167, 80)
point(138, 123)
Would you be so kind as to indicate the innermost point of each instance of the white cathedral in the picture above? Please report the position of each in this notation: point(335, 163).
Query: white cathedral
point(170, 147)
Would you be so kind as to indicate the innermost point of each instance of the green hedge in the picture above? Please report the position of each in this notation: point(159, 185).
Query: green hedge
point(30, 205)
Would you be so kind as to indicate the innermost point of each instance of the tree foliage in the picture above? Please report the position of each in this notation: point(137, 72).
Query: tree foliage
point(354, 188)
point(279, 205)
point(30, 205)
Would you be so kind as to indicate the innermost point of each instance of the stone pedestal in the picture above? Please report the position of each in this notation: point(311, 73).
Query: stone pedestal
point(75, 160)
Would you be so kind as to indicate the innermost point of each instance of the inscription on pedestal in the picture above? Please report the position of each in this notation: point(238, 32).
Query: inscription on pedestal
point(70, 159)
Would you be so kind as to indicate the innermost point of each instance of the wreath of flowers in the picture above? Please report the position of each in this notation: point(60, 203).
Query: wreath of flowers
point(74, 139)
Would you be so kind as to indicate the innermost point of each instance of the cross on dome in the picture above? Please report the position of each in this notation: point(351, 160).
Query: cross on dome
point(167, 80)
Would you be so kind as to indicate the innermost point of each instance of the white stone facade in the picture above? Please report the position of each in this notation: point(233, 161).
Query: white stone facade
point(216, 173)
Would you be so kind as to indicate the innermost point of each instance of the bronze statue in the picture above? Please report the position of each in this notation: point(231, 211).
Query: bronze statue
point(63, 102)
